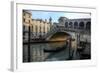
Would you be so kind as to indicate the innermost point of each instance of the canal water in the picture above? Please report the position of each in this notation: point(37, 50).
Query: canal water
point(40, 52)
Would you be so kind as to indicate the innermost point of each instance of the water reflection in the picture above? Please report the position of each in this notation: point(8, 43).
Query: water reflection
point(55, 51)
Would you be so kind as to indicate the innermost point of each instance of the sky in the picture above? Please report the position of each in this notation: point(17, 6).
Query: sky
point(55, 15)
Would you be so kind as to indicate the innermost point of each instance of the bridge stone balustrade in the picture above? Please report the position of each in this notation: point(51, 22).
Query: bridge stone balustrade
point(73, 32)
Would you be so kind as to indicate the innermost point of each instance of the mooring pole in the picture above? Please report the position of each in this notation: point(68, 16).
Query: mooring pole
point(69, 46)
point(29, 45)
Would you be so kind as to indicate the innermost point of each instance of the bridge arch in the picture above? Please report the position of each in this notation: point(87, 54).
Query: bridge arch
point(66, 24)
point(88, 25)
point(75, 25)
point(81, 25)
point(60, 36)
point(70, 24)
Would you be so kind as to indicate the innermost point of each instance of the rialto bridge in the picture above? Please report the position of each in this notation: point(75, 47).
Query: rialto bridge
point(77, 29)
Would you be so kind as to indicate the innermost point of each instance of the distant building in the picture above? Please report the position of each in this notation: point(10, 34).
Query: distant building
point(80, 23)
point(83, 24)
point(38, 27)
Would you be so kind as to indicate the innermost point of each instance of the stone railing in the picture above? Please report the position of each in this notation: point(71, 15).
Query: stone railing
point(60, 29)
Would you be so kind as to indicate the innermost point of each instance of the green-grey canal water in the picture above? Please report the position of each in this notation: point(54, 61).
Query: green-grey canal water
point(39, 52)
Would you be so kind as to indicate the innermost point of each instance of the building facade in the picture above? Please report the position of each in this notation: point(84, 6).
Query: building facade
point(38, 27)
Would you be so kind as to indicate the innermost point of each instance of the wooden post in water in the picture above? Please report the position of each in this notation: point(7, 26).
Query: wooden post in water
point(29, 45)
point(69, 46)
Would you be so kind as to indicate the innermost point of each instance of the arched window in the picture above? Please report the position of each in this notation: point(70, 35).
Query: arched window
point(32, 28)
point(23, 29)
point(70, 24)
point(40, 29)
point(36, 29)
point(81, 25)
point(66, 24)
point(88, 25)
point(40, 32)
point(75, 25)
point(24, 20)
point(44, 29)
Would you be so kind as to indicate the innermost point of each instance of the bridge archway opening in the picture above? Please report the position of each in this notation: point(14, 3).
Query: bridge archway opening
point(66, 24)
point(81, 25)
point(88, 25)
point(70, 24)
point(75, 25)
point(60, 36)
